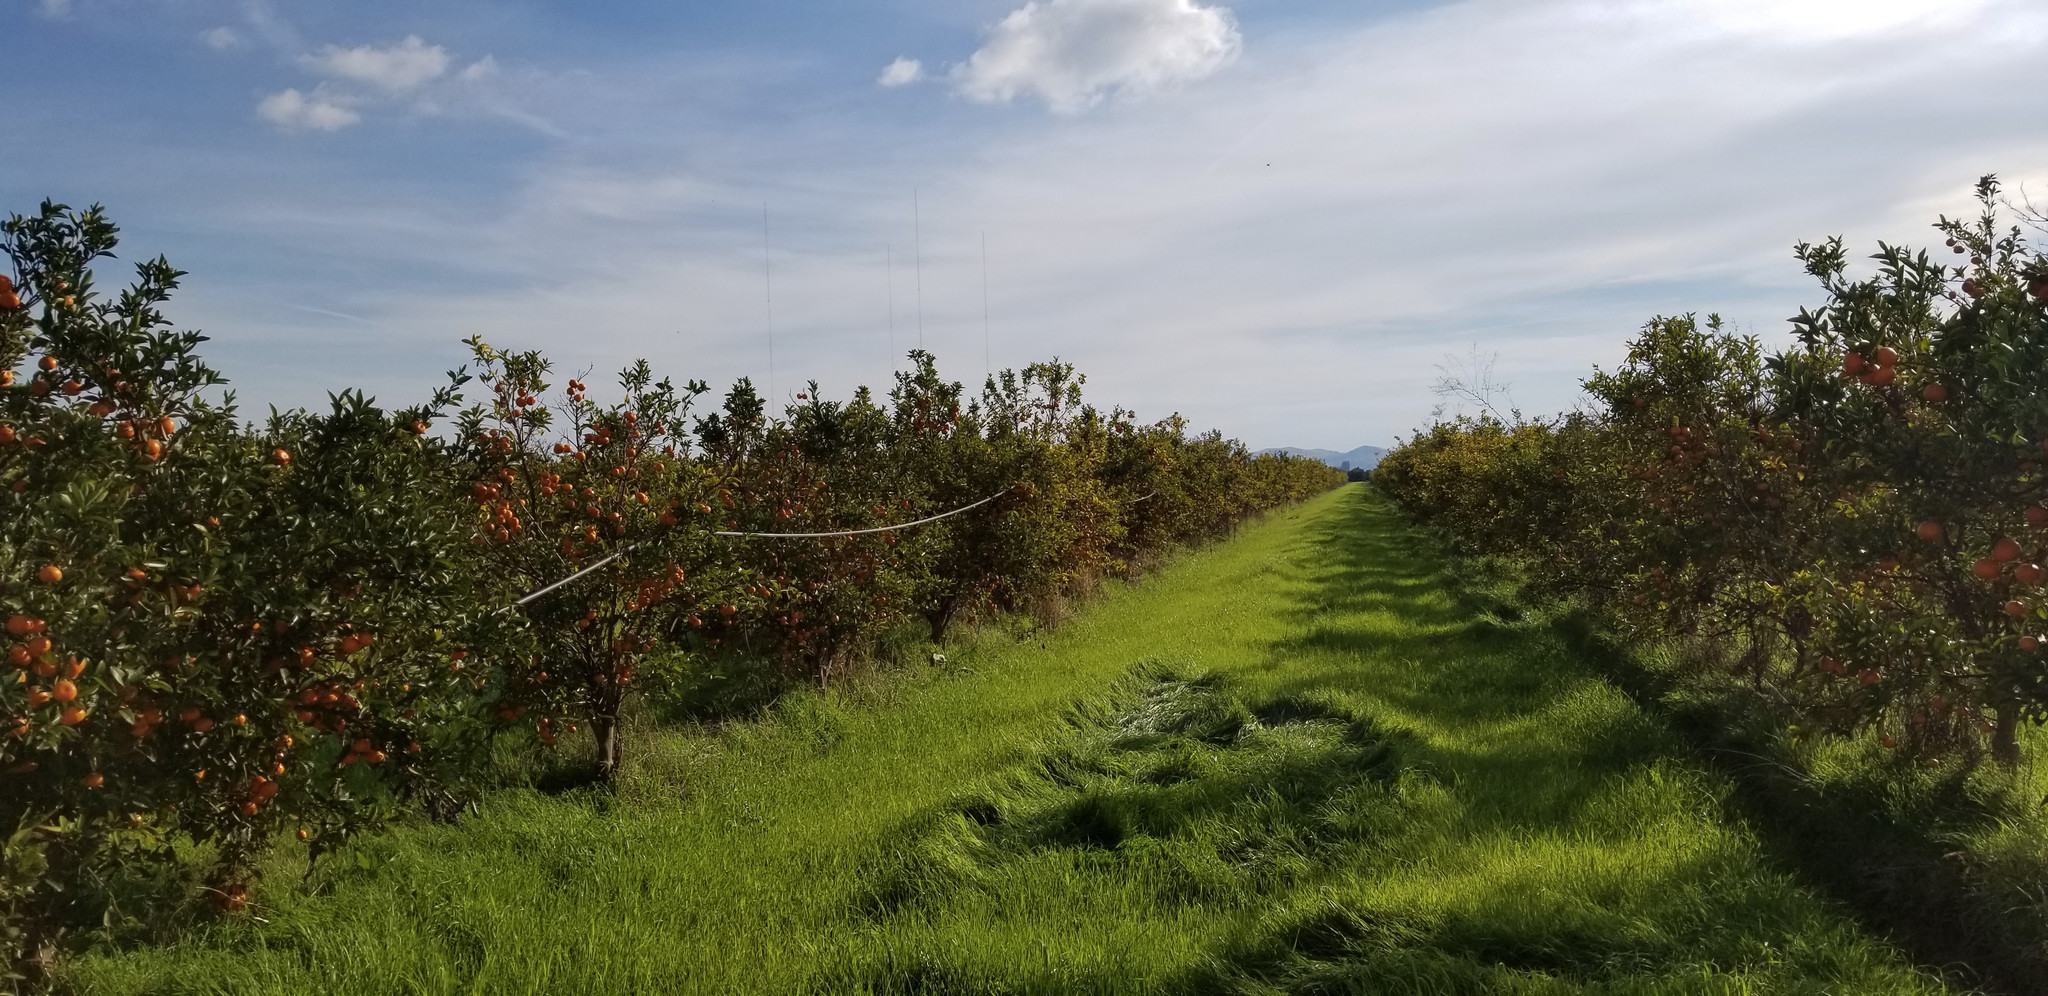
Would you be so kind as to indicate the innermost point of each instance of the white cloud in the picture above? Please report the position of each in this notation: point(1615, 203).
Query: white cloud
point(481, 69)
point(1073, 53)
point(394, 68)
point(1812, 22)
point(902, 71)
point(221, 39)
point(295, 111)
point(55, 8)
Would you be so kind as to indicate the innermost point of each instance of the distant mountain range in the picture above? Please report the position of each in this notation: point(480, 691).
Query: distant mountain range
point(1367, 457)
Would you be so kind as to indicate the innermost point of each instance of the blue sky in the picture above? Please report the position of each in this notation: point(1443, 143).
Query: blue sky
point(1276, 218)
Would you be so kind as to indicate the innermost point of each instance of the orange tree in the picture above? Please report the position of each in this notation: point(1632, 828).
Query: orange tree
point(572, 486)
point(1048, 524)
point(1919, 386)
point(941, 461)
point(213, 634)
point(1062, 531)
point(818, 601)
point(1700, 509)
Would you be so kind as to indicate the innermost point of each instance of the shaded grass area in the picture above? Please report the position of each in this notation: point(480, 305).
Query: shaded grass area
point(1951, 860)
point(1294, 763)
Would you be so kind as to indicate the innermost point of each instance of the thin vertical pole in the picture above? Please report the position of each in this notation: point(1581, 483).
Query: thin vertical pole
point(768, 291)
point(917, 250)
point(989, 367)
point(889, 267)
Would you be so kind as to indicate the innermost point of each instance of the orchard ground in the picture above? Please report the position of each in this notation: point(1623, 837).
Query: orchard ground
point(1298, 761)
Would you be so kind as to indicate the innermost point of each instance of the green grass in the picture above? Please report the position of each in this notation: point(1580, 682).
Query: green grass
point(1296, 762)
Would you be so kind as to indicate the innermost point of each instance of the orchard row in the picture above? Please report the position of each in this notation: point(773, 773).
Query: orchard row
point(1854, 527)
point(218, 632)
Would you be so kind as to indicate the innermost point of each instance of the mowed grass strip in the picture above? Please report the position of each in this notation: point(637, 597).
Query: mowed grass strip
point(1293, 763)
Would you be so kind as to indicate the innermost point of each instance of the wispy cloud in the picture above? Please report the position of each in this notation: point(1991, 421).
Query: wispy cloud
point(1074, 53)
point(221, 39)
point(396, 68)
point(409, 76)
point(294, 111)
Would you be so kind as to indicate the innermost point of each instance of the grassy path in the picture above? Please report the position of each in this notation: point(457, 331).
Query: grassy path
point(1292, 763)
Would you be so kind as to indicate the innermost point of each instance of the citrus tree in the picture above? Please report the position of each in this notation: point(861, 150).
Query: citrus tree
point(606, 495)
point(215, 632)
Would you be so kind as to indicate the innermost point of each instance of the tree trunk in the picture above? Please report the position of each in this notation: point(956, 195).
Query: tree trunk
point(2005, 740)
point(941, 617)
point(604, 728)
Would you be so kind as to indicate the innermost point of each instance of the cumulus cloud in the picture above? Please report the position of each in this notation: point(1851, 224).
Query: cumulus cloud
point(295, 111)
point(901, 72)
point(1074, 53)
point(394, 68)
point(221, 39)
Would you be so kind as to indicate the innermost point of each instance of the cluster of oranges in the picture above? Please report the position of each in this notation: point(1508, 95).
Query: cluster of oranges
point(1877, 366)
point(34, 654)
